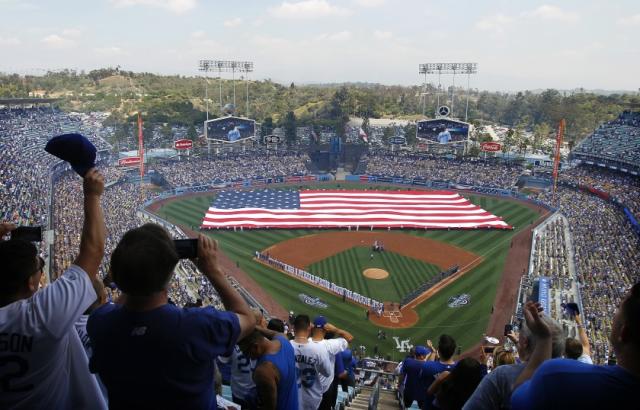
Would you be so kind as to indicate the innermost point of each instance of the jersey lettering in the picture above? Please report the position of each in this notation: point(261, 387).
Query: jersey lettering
point(16, 343)
point(308, 377)
point(244, 364)
point(18, 367)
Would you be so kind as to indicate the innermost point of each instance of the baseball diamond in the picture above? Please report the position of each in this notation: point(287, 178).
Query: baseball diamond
point(487, 250)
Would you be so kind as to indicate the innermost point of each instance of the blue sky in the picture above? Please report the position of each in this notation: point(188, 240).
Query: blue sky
point(517, 44)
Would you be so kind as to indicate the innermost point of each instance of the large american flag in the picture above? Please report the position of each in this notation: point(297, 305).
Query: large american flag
point(270, 208)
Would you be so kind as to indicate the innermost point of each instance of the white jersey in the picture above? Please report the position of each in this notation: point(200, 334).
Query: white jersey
point(312, 362)
point(242, 368)
point(81, 328)
point(333, 347)
point(42, 361)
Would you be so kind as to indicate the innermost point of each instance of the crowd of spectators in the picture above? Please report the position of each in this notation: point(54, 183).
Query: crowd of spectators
point(624, 187)
point(120, 202)
point(439, 169)
point(24, 170)
point(551, 257)
point(607, 256)
point(616, 141)
point(253, 165)
point(606, 250)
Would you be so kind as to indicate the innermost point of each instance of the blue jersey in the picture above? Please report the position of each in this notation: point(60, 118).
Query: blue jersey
point(162, 358)
point(430, 370)
point(569, 384)
point(414, 389)
point(348, 361)
point(284, 361)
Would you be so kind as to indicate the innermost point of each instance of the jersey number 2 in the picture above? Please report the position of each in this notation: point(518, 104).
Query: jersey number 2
point(22, 367)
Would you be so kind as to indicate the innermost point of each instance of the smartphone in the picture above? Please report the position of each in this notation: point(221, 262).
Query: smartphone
point(573, 308)
point(28, 233)
point(508, 328)
point(187, 248)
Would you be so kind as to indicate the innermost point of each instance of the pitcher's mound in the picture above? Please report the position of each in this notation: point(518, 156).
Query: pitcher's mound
point(375, 273)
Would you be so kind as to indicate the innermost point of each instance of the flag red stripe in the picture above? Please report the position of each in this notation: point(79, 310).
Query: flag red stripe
point(336, 208)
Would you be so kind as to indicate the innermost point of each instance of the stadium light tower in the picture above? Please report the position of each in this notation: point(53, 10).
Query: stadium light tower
point(450, 68)
point(227, 66)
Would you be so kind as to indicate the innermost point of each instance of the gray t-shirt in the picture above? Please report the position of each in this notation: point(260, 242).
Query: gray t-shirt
point(494, 391)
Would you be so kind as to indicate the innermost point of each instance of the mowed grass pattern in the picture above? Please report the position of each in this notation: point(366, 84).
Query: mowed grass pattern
point(345, 269)
point(466, 324)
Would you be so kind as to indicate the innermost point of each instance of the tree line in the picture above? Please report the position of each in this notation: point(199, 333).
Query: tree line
point(180, 100)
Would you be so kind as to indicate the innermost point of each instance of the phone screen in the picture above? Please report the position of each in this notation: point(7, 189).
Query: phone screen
point(28, 233)
point(186, 248)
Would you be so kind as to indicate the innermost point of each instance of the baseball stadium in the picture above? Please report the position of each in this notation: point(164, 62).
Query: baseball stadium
point(488, 260)
point(332, 223)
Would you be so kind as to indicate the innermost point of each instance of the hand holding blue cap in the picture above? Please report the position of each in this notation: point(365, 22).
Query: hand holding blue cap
point(319, 322)
point(76, 149)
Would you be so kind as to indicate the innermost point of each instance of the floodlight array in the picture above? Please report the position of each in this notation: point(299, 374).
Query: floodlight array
point(448, 68)
point(225, 66)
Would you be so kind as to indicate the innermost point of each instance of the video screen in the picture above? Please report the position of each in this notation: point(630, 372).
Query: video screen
point(230, 129)
point(443, 131)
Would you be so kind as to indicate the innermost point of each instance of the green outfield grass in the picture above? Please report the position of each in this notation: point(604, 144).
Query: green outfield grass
point(466, 324)
point(345, 269)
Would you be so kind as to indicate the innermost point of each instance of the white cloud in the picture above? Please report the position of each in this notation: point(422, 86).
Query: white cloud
point(58, 42)
point(9, 41)
point(548, 12)
point(382, 35)
point(370, 3)
point(308, 9)
point(496, 23)
point(233, 22)
point(633, 20)
point(109, 51)
point(175, 6)
point(198, 34)
point(340, 36)
point(71, 32)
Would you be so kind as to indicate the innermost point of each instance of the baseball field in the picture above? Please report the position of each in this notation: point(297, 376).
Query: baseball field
point(410, 258)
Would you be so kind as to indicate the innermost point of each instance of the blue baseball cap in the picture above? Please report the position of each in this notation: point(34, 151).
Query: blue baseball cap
point(319, 322)
point(421, 351)
point(76, 149)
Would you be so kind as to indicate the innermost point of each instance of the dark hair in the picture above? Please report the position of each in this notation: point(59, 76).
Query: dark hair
point(446, 347)
point(631, 314)
point(301, 322)
point(276, 325)
point(460, 384)
point(572, 348)
point(143, 261)
point(250, 339)
point(18, 262)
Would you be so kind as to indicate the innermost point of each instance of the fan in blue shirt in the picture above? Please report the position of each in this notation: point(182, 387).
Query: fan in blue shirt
point(151, 354)
point(562, 384)
point(432, 368)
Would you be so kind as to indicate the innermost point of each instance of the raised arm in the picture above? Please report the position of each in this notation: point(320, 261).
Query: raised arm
point(268, 333)
point(265, 376)
point(339, 332)
point(542, 350)
point(584, 340)
point(433, 355)
point(233, 302)
point(93, 229)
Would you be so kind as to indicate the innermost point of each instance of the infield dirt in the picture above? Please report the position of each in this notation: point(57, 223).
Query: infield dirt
point(306, 250)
